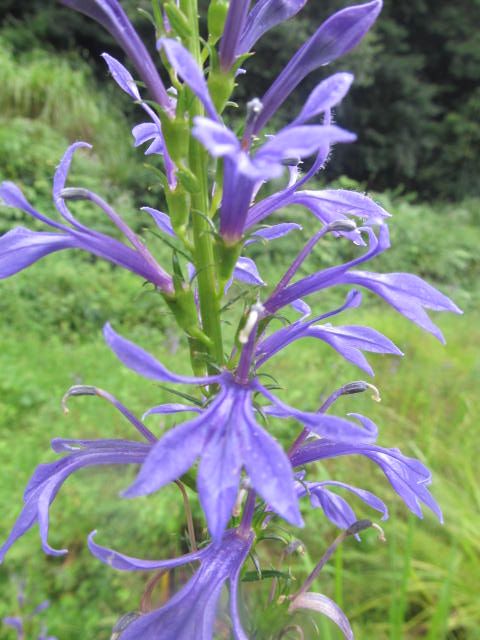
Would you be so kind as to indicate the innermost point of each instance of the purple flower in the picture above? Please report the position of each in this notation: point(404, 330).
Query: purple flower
point(192, 610)
point(17, 622)
point(244, 171)
point(227, 438)
point(21, 247)
point(112, 17)
point(408, 476)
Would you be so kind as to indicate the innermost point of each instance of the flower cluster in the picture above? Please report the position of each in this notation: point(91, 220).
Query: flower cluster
point(214, 181)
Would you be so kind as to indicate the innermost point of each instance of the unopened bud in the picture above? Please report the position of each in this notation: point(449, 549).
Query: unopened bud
point(256, 310)
point(342, 225)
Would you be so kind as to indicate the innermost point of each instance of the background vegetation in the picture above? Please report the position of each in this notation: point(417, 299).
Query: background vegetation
point(415, 107)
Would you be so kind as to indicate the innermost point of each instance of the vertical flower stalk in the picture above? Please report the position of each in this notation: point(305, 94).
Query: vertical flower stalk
point(223, 445)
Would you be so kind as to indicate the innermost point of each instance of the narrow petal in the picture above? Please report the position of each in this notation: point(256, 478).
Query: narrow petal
point(122, 76)
point(187, 69)
point(12, 196)
point(144, 363)
point(301, 142)
point(20, 247)
point(335, 37)
point(408, 476)
point(246, 271)
point(171, 457)
point(215, 137)
point(265, 15)
point(219, 472)
point(232, 31)
point(269, 469)
point(274, 232)
point(122, 562)
point(326, 95)
point(406, 293)
point(48, 478)
point(112, 17)
point(59, 181)
point(332, 204)
point(162, 221)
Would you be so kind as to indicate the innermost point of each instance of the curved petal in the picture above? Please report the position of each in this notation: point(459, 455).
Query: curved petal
point(143, 363)
point(122, 562)
point(321, 604)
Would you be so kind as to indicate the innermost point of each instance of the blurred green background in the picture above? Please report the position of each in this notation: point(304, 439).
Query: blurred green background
point(415, 107)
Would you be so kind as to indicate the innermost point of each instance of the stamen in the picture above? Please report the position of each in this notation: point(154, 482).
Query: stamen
point(123, 623)
point(376, 393)
point(77, 390)
point(254, 109)
point(255, 311)
point(381, 532)
point(342, 225)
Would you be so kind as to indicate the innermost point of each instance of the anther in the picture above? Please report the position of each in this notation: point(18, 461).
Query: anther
point(77, 390)
point(342, 225)
point(74, 193)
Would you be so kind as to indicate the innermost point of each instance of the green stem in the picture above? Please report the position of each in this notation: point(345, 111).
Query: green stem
point(204, 254)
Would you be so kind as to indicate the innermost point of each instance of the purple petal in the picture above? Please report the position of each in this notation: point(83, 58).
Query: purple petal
point(335, 37)
point(143, 363)
point(265, 15)
point(48, 478)
point(301, 307)
point(331, 276)
point(246, 271)
point(325, 96)
point(366, 496)
point(111, 16)
point(215, 137)
point(269, 469)
point(122, 76)
point(274, 232)
point(219, 470)
point(321, 604)
point(185, 66)
point(12, 196)
point(408, 476)
point(20, 247)
point(122, 562)
point(232, 31)
point(301, 142)
point(171, 457)
point(162, 221)
point(408, 294)
point(144, 132)
point(171, 407)
point(332, 204)
point(59, 181)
